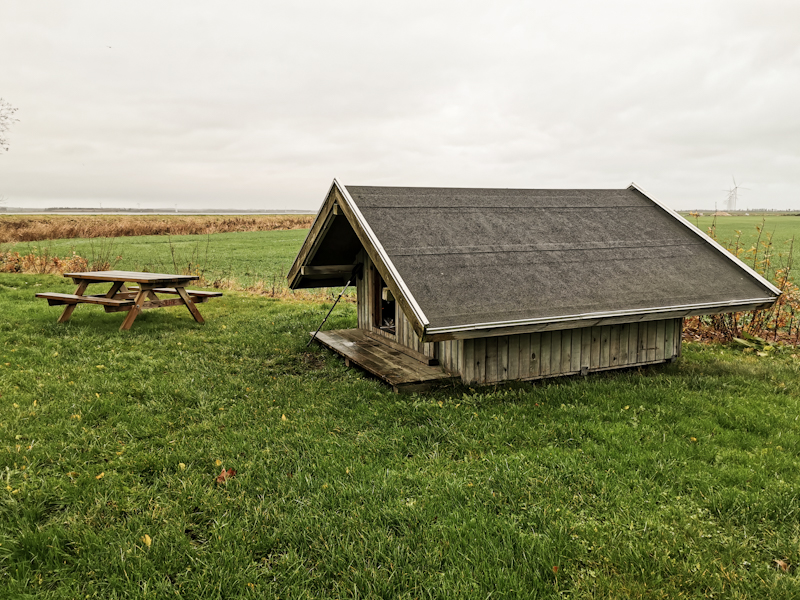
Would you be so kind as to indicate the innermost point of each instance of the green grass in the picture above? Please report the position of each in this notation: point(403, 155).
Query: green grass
point(781, 228)
point(679, 481)
point(248, 257)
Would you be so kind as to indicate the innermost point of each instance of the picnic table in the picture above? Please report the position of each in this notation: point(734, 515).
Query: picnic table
point(131, 299)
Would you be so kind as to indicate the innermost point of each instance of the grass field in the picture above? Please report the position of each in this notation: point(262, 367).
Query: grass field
point(782, 229)
point(246, 257)
point(29, 228)
point(678, 481)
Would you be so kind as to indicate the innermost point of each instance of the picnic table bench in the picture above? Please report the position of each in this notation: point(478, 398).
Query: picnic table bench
point(131, 299)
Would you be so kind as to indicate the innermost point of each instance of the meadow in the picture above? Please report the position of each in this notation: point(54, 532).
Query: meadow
point(31, 228)
point(238, 259)
point(667, 482)
point(744, 230)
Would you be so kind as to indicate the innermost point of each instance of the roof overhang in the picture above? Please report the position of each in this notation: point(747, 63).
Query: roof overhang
point(339, 202)
point(476, 330)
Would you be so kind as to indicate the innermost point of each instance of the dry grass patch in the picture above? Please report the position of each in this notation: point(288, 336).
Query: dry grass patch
point(37, 227)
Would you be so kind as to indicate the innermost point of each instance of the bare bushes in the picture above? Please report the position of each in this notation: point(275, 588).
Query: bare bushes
point(781, 321)
point(36, 228)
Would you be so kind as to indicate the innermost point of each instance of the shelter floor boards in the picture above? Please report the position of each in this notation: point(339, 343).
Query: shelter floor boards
point(402, 372)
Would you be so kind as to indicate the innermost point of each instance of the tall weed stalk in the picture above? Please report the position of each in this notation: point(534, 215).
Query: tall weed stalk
point(777, 322)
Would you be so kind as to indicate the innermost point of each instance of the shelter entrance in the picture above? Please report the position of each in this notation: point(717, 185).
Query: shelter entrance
point(385, 306)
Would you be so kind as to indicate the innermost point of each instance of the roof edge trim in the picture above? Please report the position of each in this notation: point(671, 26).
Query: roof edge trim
point(294, 275)
point(599, 315)
point(707, 238)
point(418, 313)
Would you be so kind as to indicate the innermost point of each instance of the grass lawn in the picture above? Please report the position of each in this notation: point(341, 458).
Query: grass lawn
point(247, 257)
point(677, 481)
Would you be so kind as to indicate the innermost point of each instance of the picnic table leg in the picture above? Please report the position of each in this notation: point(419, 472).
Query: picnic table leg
point(189, 304)
point(119, 286)
point(135, 309)
point(70, 308)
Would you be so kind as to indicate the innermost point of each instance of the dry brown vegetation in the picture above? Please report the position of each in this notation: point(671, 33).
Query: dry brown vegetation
point(37, 227)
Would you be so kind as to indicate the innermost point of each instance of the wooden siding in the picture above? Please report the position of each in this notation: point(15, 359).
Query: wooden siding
point(404, 333)
point(531, 355)
point(567, 352)
point(450, 355)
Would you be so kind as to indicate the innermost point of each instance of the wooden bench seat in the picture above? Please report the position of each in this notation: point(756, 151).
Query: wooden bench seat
point(198, 293)
point(54, 298)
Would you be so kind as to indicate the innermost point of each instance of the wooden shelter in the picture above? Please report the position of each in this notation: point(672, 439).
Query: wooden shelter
point(492, 285)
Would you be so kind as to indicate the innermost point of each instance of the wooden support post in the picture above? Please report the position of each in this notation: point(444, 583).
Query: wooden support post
point(70, 308)
point(135, 309)
point(189, 304)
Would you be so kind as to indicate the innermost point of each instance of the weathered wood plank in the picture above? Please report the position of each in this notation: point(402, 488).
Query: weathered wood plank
point(427, 360)
point(502, 358)
point(594, 361)
point(624, 334)
point(613, 345)
point(524, 354)
point(468, 370)
point(575, 351)
point(605, 350)
point(480, 360)
point(652, 330)
point(536, 355)
point(545, 350)
point(633, 343)
point(660, 340)
point(343, 271)
point(513, 356)
point(54, 299)
point(555, 352)
point(491, 360)
point(641, 355)
point(379, 359)
point(669, 339)
point(586, 347)
point(565, 361)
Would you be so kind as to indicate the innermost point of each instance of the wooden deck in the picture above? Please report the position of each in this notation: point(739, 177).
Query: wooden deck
point(403, 372)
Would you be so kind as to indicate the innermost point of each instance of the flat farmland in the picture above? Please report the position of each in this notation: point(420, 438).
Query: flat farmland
point(782, 229)
point(674, 481)
point(245, 258)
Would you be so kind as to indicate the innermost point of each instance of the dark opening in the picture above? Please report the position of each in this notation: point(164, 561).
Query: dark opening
point(385, 307)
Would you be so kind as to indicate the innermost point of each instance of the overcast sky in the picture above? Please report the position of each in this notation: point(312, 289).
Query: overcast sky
point(260, 104)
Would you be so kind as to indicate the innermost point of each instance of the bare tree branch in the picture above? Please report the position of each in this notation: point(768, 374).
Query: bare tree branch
point(6, 120)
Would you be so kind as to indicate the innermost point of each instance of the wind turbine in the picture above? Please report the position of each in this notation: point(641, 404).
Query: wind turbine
point(733, 195)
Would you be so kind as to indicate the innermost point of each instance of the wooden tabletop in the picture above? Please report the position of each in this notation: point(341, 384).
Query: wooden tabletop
point(132, 277)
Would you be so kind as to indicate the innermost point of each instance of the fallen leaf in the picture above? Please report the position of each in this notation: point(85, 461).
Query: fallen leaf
point(100, 476)
point(218, 462)
point(182, 466)
point(283, 418)
point(782, 565)
point(225, 475)
point(147, 540)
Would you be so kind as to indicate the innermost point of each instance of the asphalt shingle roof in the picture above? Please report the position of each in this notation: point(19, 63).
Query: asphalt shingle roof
point(471, 256)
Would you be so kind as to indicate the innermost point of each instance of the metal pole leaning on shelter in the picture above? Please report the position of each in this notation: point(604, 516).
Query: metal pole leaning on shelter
point(357, 272)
